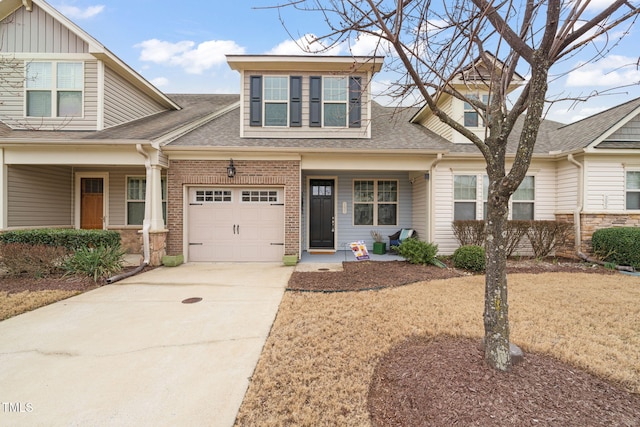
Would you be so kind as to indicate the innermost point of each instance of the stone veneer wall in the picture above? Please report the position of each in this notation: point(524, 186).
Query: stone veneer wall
point(592, 222)
point(274, 173)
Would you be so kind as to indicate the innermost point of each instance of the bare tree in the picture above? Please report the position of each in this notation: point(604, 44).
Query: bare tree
point(490, 42)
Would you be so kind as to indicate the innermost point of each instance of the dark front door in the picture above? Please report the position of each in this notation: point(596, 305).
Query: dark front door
point(321, 213)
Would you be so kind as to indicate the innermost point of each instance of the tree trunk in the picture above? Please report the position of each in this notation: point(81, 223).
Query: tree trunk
point(496, 307)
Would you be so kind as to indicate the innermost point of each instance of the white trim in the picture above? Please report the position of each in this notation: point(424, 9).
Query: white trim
point(4, 205)
point(285, 102)
point(105, 195)
point(626, 190)
point(54, 89)
point(100, 106)
point(375, 203)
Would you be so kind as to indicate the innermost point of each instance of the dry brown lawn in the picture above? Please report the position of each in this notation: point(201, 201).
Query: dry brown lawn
point(12, 304)
point(319, 359)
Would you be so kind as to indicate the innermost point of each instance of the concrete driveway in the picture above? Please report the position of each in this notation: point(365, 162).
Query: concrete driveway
point(132, 353)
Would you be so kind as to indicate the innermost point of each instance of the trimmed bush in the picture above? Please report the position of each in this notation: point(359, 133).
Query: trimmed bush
point(418, 252)
point(99, 262)
point(469, 257)
point(546, 236)
point(70, 239)
point(32, 260)
point(469, 232)
point(618, 245)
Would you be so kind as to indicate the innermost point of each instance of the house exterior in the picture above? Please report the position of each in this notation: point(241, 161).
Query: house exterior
point(302, 159)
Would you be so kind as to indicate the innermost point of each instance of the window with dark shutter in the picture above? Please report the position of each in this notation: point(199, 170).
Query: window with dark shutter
point(255, 100)
point(355, 103)
point(295, 101)
point(315, 101)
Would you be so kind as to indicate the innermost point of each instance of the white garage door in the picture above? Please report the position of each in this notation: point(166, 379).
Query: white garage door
point(236, 224)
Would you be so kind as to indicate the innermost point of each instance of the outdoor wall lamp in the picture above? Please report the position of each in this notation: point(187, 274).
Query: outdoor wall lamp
point(231, 170)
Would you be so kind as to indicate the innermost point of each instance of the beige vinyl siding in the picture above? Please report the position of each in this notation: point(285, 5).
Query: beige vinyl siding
point(434, 124)
point(123, 102)
point(12, 107)
point(39, 196)
point(605, 185)
point(304, 131)
point(567, 187)
point(38, 32)
point(629, 131)
point(544, 205)
point(419, 190)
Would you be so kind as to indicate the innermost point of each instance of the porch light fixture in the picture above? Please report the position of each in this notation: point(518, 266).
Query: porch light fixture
point(231, 170)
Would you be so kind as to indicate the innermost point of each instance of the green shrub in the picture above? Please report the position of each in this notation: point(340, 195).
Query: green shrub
point(32, 260)
point(469, 257)
point(98, 262)
point(418, 252)
point(618, 245)
point(70, 239)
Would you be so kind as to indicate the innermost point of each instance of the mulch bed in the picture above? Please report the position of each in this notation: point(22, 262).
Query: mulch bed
point(367, 275)
point(444, 381)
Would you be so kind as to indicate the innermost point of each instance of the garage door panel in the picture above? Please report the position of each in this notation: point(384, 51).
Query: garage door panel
point(235, 224)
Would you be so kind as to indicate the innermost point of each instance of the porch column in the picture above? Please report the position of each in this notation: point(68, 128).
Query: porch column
point(3, 192)
point(154, 198)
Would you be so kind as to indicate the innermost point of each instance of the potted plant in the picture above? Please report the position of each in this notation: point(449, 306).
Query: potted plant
point(379, 247)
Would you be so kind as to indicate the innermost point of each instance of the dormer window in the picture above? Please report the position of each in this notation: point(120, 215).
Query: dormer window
point(335, 102)
point(471, 117)
point(54, 87)
point(276, 100)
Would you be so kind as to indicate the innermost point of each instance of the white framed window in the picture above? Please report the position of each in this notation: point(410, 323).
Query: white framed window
point(464, 197)
point(335, 92)
point(375, 202)
point(466, 204)
point(633, 190)
point(276, 100)
point(136, 193)
point(54, 89)
point(472, 118)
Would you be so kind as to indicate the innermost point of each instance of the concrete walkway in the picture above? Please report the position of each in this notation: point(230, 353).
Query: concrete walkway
point(133, 354)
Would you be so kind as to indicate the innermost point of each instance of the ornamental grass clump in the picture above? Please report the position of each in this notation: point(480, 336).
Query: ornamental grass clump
point(469, 257)
point(98, 262)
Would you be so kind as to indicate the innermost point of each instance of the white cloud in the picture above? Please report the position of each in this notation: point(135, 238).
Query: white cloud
point(306, 44)
point(612, 71)
point(194, 59)
point(74, 12)
point(160, 82)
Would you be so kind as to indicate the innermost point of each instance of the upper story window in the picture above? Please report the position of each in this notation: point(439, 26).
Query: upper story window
point(54, 89)
point(633, 190)
point(334, 97)
point(276, 101)
point(471, 116)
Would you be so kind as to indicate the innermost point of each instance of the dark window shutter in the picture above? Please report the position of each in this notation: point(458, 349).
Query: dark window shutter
point(315, 101)
point(255, 100)
point(355, 102)
point(295, 101)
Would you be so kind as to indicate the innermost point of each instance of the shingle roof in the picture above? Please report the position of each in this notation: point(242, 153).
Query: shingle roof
point(390, 130)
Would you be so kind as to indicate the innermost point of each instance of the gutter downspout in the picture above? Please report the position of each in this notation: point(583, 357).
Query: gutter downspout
point(432, 215)
point(146, 223)
point(579, 206)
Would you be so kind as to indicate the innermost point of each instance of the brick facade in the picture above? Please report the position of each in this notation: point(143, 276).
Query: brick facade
point(271, 173)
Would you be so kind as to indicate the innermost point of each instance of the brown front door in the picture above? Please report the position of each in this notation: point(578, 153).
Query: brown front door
point(91, 203)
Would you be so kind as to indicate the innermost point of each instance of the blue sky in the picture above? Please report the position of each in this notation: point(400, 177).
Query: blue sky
point(180, 46)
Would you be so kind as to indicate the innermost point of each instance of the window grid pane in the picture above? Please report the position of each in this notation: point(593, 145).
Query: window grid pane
point(276, 88)
point(363, 214)
point(335, 89)
point(464, 187)
point(39, 75)
point(363, 191)
point(275, 114)
point(69, 75)
point(526, 190)
point(633, 180)
point(260, 196)
point(335, 115)
point(69, 104)
point(38, 103)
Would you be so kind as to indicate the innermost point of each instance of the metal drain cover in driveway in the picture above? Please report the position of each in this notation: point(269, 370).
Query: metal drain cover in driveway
point(191, 300)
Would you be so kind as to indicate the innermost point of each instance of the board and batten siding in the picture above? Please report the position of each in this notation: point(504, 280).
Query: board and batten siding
point(604, 185)
point(123, 102)
point(443, 202)
point(38, 32)
point(13, 108)
point(303, 131)
point(39, 196)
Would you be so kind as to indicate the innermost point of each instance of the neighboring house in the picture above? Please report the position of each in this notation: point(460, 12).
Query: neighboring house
point(301, 160)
